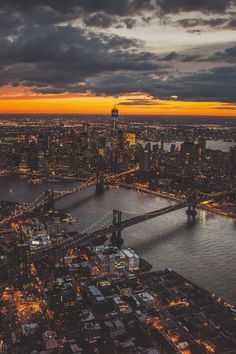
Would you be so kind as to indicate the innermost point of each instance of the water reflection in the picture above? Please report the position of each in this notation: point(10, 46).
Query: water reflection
point(204, 251)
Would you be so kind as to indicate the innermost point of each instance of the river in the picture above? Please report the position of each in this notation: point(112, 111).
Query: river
point(204, 252)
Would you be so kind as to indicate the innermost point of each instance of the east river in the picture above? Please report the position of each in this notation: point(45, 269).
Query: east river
point(204, 252)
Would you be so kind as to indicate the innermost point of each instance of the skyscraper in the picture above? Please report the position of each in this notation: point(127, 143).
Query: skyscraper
point(114, 120)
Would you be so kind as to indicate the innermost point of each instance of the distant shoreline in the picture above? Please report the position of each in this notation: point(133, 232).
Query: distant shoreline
point(167, 196)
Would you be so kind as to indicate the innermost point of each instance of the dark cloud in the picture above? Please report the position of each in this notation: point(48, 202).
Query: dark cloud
point(102, 13)
point(205, 6)
point(114, 7)
point(232, 23)
point(198, 22)
point(123, 7)
point(130, 22)
point(138, 102)
point(59, 59)
point(99, 20)
point(9, 21)
point(147, 19)
point(54, 60)
point(228, 55)
point(218, 84)
point(105, 13)
point(170, 56)
point(180, 57)
point(199, 25)
point(41, 49)
point(104, 20)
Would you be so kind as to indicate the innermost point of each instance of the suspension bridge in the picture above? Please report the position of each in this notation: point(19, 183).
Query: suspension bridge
point(47, 198)
point(112, 223)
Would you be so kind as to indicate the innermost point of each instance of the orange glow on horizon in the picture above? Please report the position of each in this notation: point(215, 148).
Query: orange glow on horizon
point(22, 100)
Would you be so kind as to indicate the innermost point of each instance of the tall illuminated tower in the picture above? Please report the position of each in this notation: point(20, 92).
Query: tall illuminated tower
point(114, 120)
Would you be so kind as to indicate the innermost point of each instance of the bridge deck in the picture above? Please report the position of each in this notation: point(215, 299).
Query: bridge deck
point(93, 236)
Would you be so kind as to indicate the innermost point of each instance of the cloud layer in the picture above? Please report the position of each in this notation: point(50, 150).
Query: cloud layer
point(57, 46)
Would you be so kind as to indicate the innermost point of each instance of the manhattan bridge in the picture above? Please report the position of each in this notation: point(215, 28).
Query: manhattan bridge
point(112, 223)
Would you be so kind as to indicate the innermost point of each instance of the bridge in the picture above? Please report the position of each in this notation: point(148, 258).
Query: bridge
point(113, 224)
point(49, 197)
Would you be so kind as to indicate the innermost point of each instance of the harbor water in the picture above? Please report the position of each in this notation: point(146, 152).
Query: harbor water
point(204, 251)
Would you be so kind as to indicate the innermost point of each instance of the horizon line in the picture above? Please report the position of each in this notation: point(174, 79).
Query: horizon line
point(121, 115)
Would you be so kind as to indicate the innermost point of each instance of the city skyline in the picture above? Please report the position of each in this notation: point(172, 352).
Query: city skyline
point(148, 57)
point(117, 235)
point(118, 176)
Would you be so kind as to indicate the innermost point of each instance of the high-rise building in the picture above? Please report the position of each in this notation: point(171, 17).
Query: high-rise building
point(202, 146)
point(114, 120)
point(145, 159)
point(131, 139)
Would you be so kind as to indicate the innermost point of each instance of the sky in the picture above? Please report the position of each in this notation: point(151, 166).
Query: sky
point(157, 57)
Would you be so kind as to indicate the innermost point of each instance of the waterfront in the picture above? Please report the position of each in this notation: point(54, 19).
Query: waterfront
point(210, 144)
point(204, 252)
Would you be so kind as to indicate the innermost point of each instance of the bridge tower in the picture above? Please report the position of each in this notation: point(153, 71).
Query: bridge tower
point(116, 238)
point(50, 197)
point(192, 206)
point(100, 184)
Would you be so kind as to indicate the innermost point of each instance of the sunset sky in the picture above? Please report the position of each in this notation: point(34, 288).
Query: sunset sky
point(157, 57)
